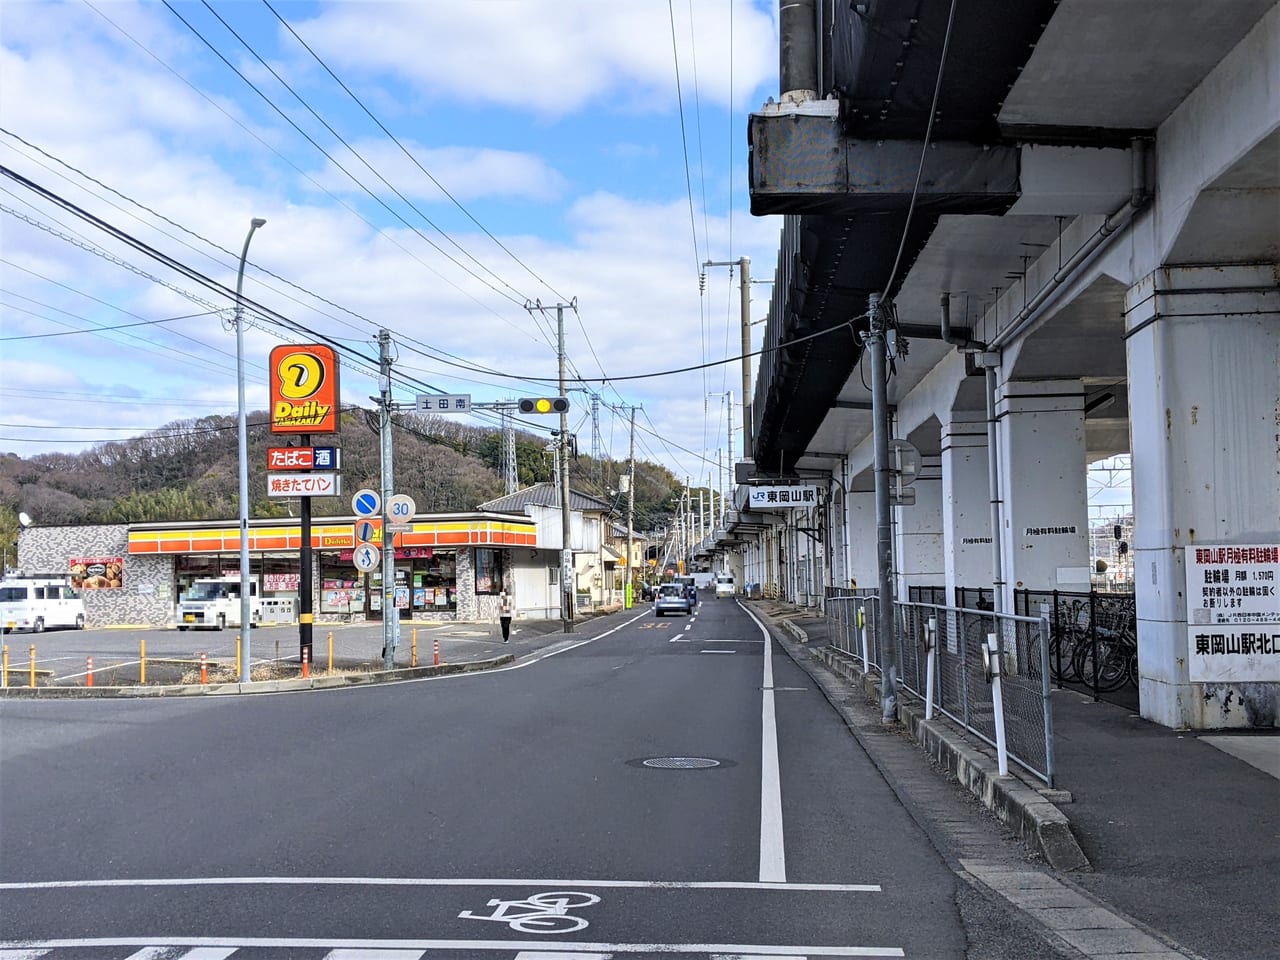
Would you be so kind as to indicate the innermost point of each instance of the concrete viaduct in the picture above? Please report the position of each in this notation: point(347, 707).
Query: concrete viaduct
point(1083, 197)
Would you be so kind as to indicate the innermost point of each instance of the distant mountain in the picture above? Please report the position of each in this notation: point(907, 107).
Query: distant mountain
point(188, 470)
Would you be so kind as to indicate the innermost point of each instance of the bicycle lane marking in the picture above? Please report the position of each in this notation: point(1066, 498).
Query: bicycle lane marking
point(537, 947)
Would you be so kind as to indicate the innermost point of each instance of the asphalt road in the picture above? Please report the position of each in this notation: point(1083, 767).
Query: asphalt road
point(503, 814)
point(62, 655)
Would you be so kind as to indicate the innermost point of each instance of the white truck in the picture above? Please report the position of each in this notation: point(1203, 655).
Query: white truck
point(215, 602)
point(37, 602)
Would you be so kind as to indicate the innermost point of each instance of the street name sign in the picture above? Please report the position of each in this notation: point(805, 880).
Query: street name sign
point(444, 402)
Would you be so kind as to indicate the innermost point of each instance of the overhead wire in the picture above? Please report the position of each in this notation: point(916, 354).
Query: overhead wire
point(304, 174)
point(408, 153)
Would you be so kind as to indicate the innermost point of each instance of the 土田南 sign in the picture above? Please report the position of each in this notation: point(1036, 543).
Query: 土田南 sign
point(303, 485)
point(304, 389)
point(766, 498)
point(1233, 613)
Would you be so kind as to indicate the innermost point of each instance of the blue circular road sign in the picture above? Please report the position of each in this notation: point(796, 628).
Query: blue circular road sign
point(365, 503)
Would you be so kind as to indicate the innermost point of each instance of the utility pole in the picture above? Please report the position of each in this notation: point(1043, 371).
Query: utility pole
point(631, 513)
point(566, 548)
point(875, 345)
point(744, 295)
point(390, 615)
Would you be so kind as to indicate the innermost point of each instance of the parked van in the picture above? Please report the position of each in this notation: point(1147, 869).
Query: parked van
point(37, 603)
point(725, 586)
point(215, 602)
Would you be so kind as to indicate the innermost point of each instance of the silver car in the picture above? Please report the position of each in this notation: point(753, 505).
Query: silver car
point(671, 599)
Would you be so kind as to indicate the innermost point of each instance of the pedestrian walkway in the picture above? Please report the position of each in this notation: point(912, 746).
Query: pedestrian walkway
point(1181, 829)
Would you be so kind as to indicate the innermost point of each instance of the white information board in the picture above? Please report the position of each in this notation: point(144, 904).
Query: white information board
point(1233, 613)
point(774, 498)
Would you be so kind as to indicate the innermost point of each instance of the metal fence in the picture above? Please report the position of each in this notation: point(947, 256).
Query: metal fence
point(1014, 714)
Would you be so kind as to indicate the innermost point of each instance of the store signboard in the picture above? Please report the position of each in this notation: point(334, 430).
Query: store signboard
point(303, 458)
point(304, 389)
point(1233, 613)
point(304, 485)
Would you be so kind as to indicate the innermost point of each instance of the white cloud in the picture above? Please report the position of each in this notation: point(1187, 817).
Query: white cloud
point(550, 56)
point(466, 172)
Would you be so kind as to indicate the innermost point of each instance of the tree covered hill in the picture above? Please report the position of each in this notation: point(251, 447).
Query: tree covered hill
point(188, 470)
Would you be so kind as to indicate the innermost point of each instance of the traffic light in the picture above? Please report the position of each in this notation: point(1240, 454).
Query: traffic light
point(543, 404)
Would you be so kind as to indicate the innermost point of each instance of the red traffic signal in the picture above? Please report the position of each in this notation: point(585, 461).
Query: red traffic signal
point(543, 404)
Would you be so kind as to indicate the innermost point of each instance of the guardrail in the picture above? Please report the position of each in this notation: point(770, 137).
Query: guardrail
point(988, 672)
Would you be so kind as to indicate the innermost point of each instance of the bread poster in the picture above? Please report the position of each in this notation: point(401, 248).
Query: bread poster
point(97, 573)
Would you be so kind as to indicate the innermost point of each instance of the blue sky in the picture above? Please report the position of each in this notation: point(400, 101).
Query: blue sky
point(555, 125)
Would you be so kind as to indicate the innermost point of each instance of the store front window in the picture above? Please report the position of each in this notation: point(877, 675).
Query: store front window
point(489, 571)
point(426, 583)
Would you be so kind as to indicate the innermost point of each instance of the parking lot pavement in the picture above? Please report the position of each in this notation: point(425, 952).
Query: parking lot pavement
point(62, 656)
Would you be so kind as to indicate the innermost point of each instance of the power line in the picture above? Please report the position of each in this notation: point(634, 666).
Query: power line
point(410, 155)
point(684, 139)
point(328, 155)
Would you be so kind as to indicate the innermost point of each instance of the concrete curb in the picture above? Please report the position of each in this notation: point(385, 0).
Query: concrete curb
point(259, 686)
point(1022, 808)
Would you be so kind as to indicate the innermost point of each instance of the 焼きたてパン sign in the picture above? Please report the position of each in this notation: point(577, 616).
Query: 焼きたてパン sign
point(304, 389)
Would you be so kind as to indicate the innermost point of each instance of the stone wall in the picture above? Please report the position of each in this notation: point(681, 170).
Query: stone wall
point(145, 596)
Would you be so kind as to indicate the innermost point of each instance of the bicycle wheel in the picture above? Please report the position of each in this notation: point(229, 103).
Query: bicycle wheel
point(550, 923)
point(1112, 664)
point(572, 898)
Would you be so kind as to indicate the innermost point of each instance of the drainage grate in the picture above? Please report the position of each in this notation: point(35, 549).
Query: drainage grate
point(681, 763)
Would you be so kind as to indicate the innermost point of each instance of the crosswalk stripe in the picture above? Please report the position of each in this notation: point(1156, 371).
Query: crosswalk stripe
point(181, 953)
point(349, 954)
point(24, 954)
point(544, 955)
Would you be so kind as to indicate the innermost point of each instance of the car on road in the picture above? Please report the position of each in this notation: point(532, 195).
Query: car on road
point(672, 598)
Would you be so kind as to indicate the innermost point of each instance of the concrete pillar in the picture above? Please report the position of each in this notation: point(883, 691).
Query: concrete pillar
point(966, 502)
point(861, 530)
point(1203, 353)
point(918, 532)
point(1043, 476)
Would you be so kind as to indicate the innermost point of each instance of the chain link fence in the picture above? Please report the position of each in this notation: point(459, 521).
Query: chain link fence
point(960, 640)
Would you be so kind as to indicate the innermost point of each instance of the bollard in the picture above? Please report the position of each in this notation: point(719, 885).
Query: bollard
point(997, 702)
point(931, 651)
point(4, 667)
point(436, 644)
point(33, 665)
point(142, 660)
point(204, 668)
point(413, 649)
point(88, 671)
point(238, 661)
point(331, 651)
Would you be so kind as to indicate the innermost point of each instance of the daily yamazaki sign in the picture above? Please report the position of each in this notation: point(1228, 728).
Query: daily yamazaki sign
point(304, 389)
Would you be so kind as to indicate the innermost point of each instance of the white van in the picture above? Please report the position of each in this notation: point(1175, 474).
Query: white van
point(724, 585)
point(36, 603)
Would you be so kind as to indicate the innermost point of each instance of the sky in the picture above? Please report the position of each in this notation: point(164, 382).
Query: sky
point(430, 168)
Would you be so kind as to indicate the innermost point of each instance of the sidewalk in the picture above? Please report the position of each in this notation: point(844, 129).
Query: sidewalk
point(1181, 828)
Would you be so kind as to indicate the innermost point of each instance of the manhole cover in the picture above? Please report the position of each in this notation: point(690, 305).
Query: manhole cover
point(681, 763)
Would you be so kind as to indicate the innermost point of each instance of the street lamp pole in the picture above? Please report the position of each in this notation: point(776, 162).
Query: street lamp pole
point(245, 605)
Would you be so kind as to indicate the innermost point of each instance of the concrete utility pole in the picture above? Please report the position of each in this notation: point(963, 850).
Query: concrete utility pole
point(631, 513)
point(566, 548)
point(875, 345)
point(390, 615)
point(744, 296)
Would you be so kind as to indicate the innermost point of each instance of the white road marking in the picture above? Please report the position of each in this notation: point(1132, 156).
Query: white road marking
point(561, 955)
point(437, 882)
point(22, 954)
point(345, 954)
point(730, 652)
point(178, 953)
point(748, 956)
point(773, 857)
point(769, 951)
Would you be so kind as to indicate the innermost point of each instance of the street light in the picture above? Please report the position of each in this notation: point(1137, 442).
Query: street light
point(245, 606)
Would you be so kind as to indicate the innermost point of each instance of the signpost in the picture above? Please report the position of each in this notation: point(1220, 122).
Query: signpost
point(366, 557)
point(365, 503)
point(400, 511)
point(443, 402)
